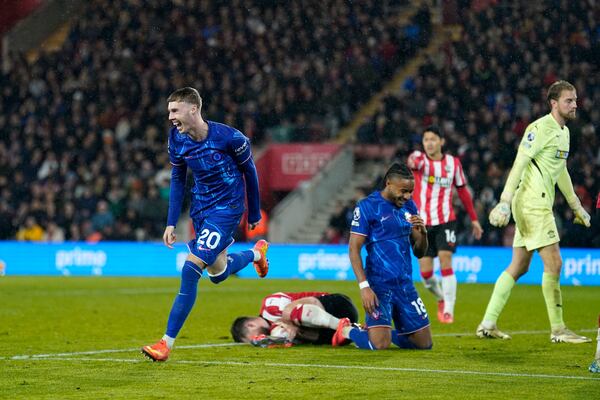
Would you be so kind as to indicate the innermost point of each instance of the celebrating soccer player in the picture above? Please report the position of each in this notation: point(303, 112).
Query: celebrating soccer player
point(221, 162)
point(436, 174)
point(540, 164)
point(388, 223)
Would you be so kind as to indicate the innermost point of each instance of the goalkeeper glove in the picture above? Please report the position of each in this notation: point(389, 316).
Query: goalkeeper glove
point(500, 215)
point(581, 216)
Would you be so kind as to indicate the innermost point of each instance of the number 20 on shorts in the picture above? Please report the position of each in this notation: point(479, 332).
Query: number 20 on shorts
point(208, 238)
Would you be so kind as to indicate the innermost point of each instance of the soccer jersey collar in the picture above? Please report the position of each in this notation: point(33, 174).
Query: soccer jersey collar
point(208, 133)
point(555, 122)
point(431, 159)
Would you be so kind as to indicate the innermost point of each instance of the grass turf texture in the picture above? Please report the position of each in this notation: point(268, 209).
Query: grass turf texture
point(42, 315)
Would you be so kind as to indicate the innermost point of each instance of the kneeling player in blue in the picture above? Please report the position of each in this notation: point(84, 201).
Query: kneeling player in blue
point(387, 222)
point(221, 162)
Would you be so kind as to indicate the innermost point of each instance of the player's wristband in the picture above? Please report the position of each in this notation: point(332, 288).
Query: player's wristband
point(364, 284)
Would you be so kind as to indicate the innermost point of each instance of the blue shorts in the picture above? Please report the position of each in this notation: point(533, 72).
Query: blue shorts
point(400, 304)
point(214, 233)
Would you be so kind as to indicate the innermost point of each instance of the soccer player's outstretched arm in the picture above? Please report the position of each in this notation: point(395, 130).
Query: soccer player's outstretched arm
point(240, 146)
point(415, 160)
point(566, 188)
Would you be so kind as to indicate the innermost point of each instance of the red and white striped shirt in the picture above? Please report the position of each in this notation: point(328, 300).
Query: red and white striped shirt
point(273, 305)
point(434, 181)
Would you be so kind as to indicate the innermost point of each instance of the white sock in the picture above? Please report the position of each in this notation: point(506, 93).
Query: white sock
point(170, 341)
point(315, 317)
point(488, 324)
point(257, 255)
point(449, 290)
point(433, 285)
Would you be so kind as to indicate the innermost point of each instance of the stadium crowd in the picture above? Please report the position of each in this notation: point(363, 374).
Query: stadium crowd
point(82, 130)
point(483, 88)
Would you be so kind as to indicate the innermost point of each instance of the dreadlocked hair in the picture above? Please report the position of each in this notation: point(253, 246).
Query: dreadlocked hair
point(398, 170)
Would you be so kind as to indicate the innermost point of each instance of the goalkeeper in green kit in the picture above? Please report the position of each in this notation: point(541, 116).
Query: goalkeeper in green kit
point(540, 165)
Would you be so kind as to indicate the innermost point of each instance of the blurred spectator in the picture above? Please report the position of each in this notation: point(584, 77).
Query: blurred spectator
point(332, 236)
point(53, 234)
point(103, 217)
point(31, 231)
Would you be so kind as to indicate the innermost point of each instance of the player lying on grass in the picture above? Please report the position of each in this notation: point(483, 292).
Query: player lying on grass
point(305, 317)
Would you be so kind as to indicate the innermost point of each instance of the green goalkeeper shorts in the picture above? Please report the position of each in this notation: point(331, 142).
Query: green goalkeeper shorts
point(535, 228)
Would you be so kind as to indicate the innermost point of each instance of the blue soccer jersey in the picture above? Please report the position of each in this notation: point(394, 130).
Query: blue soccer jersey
point(387, 232)
point(214, 162)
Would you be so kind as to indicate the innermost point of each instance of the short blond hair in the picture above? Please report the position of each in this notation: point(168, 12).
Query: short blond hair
point(186, 95)
point(555, 90)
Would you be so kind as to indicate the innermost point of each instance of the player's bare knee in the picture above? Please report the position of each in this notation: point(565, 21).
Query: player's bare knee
point(517, 270)
point(191, 271)
point(214, 273)
point(554, 266)
point(380, 342)
point(196, 261)
point(424, 345)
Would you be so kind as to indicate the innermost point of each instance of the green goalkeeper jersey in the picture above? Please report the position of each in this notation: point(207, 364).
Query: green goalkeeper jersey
point(547, 144)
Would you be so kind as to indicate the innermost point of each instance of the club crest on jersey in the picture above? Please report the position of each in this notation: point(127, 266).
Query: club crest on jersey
point(375, 314)
point(562, 154)
point(217, 156)
point(530, 136)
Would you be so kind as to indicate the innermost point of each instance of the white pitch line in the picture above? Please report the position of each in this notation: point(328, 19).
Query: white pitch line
point(511, 332)
point(208, 345)
point(132, 291)
point(332, 366)
point(92, 352)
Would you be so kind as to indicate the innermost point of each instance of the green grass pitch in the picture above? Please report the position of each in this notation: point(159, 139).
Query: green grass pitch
point(79, 338)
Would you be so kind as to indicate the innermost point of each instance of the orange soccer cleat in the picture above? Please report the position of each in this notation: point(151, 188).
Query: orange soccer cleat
point(338, 338)
point(262, 266)
point(440, 311)
point(447, 318)
point(157, 352)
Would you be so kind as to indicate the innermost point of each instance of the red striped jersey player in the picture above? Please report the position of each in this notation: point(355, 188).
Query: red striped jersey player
point(436, 174)
point(309, 317)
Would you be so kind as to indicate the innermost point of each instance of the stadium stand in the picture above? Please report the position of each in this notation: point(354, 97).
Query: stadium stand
point(84, 126)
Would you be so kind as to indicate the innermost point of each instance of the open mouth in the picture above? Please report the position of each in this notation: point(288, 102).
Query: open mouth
point(177, 124)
